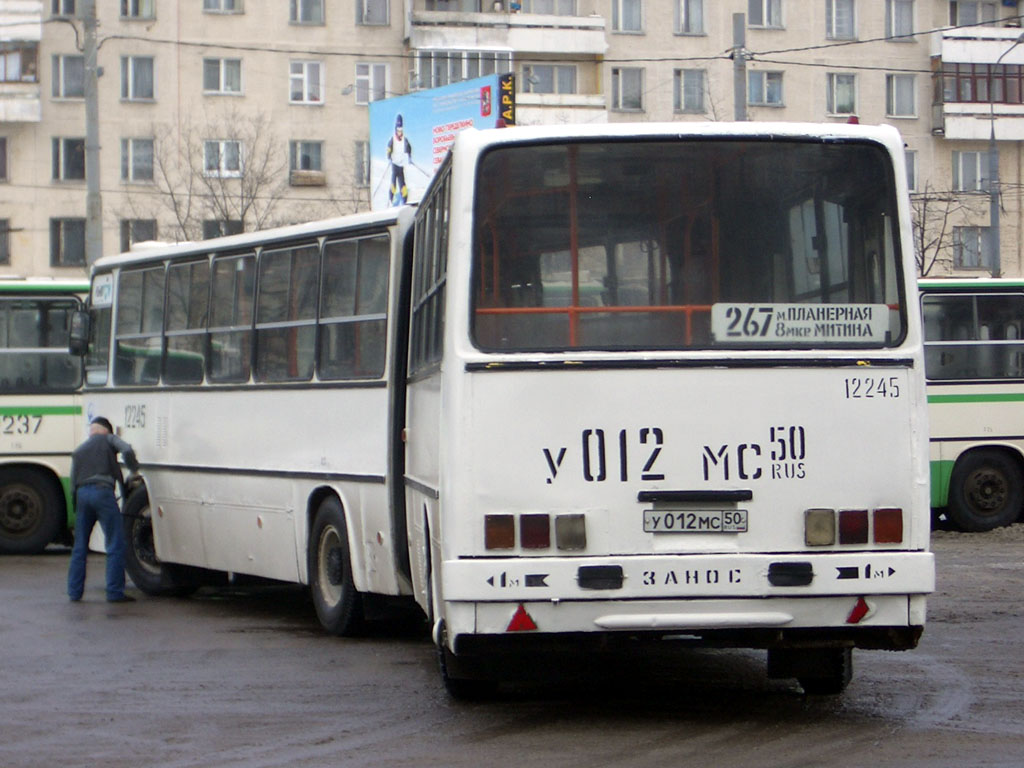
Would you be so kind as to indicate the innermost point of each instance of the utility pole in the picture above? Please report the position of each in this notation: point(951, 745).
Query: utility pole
point(93, 200)
point(739, 66)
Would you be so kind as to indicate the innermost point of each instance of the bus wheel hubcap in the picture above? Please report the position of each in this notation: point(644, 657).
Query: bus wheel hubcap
point(335, 572)
point(987, 490)
point(18, 511)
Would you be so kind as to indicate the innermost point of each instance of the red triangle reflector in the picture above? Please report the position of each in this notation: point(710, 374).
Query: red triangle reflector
point(521, 621)
point(860, 610)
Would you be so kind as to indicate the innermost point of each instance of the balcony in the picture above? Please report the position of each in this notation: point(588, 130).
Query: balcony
point(979, 83)
point(559, 109)
point(502, 30)
point(21, 29)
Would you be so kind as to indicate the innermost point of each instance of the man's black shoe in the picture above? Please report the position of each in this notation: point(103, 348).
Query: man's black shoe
point(121, 599)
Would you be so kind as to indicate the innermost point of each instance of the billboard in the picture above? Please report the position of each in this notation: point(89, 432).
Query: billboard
point(410, 135)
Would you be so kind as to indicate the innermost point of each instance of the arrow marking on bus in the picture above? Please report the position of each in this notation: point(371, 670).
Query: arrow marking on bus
point(536, 579)
point(850, 572)
point(503, 580)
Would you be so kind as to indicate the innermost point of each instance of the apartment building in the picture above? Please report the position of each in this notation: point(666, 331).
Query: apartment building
point(221, 115)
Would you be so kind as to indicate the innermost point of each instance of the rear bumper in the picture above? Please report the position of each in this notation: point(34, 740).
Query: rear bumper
point(863, 600)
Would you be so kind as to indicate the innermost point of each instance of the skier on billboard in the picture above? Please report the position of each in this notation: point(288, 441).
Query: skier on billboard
point(399, 154)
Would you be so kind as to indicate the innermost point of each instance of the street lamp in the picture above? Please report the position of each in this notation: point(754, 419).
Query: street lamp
point(993, 166)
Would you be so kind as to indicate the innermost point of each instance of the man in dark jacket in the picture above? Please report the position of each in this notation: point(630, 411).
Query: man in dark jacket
point(95, 474)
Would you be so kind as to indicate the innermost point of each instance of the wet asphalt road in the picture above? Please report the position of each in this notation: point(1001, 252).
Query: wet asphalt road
point(244, 677)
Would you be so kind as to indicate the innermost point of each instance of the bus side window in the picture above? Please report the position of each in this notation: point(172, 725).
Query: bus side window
point(353, 309)
point(188, 296)
point(286, 313)
point(230, 347)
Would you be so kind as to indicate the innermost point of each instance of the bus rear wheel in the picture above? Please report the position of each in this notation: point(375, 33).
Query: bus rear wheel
point(140, 561)
point(338, 604)
point(986, 491)
point(31, 511)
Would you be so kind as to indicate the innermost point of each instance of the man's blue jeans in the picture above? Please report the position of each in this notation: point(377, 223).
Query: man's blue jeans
point(97, 503)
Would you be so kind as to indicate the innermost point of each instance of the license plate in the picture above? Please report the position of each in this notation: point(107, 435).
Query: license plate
point(695, 521)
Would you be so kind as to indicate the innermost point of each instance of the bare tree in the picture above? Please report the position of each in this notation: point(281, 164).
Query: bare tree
point(231, 168)
point(933, 213)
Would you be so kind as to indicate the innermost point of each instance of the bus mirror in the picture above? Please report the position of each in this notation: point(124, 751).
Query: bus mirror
point(78, 333)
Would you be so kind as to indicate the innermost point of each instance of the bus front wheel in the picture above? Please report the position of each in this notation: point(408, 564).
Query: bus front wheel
point(986, 491)
point(140, 561)
point(31, 512)
point(338, 604)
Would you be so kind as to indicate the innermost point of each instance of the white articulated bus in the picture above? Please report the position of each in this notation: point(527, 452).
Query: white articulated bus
point(40, 410)
point(974, 355)
point(610, 383)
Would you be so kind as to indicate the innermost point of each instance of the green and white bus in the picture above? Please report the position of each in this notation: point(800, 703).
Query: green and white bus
point(40, 410)
point(974, 360)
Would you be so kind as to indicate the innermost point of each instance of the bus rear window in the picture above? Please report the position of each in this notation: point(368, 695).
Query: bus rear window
point(686, 245)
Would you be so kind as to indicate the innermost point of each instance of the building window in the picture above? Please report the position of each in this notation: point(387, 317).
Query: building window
point(222, 6)
point(372, 12)
point(5, 241)
point(137, 78)
point(911, 157)
point(550, 7)
point(3, 158)
point(62, 7)
point(305, 155)
point(982, 83)
point(136, 159)
point(691, 17)
point(627, 16)
point(67, 242)
point(549, 78)
point(842, 94)
point(68, 77)
point(628, 89)
point(221, 228)
point(900, 99)
point(371, 82)
point(764, 13)
point(899, 20)
point(361, 171)
point(18, 62)
point(136, 231)
point(840, 21)
point(971, 171)
point(688, 90)
point(963, 13)
point(68, 159)
point(972, 247)
point(222, 76)
point(138, 9)
point(306, 82)
point(437, 68)
point(764, 88)
point(306, 11)
point(222, 157)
